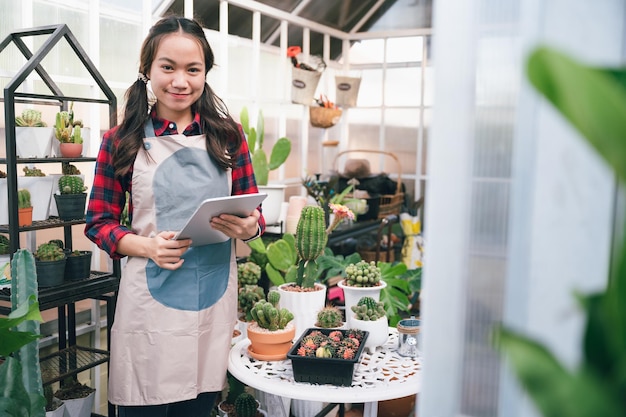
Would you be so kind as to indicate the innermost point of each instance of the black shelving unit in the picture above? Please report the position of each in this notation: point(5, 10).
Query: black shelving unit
point(70, 358)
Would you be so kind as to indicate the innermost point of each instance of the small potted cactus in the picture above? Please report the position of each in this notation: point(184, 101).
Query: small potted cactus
point(71, 200)
point(247, 406)
point(50, 265)
point(24, 207)
point(77, 263)
point(369, 315)
point(363, 279)
point(33, 138)
point(69, 133)
point(330, 317)
point(272, 331)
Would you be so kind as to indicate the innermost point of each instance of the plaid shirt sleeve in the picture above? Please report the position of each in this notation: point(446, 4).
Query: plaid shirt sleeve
point(106, 201)
point(243, 175)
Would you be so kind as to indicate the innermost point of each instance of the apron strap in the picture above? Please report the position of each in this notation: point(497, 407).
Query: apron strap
point(148, 129)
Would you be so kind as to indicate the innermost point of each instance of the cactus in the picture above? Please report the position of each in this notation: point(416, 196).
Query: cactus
point(66, 129)
point(71, 184)
point(69, 169)
point(363, 274)
point(329, 317)
point(30, 118)
point(247, 297)
point(246, 405)
point(23, 198)
point(24, 296)
point(4, 245)
point(311, 239)
point(49, 252)
point(33, 172)
point(368, 309)
point(267, 314)
point(248, 273)
point(57, 242)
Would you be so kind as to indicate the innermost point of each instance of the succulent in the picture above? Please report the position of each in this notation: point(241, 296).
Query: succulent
point(363, 274)
point(248, 273)
point(66, 129)
point(311, 239)
point(339, 344)
point(23, 198)
point(246, 405)
point(71, 184)
point(49, 252)
point(30, 118)
point(3, 174)
point(69, 169)
point(267, 314)
point(328, 317)
point(368, 309)
point(33, 172)
point(255, 137)
point(57, 242)
point(248, 296)
point(4, 245)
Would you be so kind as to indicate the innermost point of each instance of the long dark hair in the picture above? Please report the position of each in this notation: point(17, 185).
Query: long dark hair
point(215, 120)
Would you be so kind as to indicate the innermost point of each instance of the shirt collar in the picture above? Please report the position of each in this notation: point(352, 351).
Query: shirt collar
point(163, 127)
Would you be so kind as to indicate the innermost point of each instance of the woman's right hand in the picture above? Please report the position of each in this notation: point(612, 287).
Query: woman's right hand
point(166, 252)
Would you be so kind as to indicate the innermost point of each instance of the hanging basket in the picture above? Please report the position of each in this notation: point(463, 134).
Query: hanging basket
point(303, 85)
point(347, 90)
point(324, 117)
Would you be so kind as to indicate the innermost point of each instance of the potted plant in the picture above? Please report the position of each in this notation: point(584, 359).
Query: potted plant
point(33, 138)
point(54, 406)
point(330, 317)
point(247, 406)
point(50, 264)
point(262, 165)
point(24, 207)
point(363, 279)
point(69, 133)
point(235, 388)
point(71, 200)
point(5, 250)
point(272, 331)
point(78, 398)
point(369, 315)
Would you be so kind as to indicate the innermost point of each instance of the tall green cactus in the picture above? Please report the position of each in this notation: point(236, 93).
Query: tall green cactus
point(23, 198)
point(246, 405)
point(311, 239)
point(71, 184)
point(21, 392)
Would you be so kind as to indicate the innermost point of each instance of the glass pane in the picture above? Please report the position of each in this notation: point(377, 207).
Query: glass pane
point(370, 92)
point(119, 39)
point(370, 51)
point(407, 49)
point(401, 134)
point(402, 86)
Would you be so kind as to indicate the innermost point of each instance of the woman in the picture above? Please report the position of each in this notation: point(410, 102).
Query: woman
point(177, 303)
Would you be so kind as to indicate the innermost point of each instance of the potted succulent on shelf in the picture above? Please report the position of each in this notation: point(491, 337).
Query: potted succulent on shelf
point(369, 315)
point(247, 406)
point(77, 263)
point(40, 186)
point(272, 331)
point(69, 134)
point(33, 138)
point(71, 200)
point(24, 207)
point(54, 406)
point(262, 165)
point(362, 280)
point(78, 398)
point(50, 265)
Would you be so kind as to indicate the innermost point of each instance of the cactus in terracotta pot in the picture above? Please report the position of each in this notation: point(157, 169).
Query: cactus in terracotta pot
point(66, 129)
point(23, 198)
point(268, 315)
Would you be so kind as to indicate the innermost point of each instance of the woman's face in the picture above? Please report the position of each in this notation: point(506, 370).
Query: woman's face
point(177, 76)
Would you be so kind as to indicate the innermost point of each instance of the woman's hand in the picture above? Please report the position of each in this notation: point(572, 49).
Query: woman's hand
point(164, 251)
point(236, 227)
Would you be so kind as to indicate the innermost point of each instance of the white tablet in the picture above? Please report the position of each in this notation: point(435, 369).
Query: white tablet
point(198, 227)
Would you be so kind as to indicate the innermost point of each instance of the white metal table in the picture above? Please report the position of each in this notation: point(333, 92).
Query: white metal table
point(380, 375)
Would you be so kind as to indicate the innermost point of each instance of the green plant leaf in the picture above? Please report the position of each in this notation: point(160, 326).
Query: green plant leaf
point(261, 169)
point(244, 118)
point(257, 245)
point(273, 275)
point(252, 145)
point(280, 153)
point(281, 254)
point(592, 99)
point(260, 128)
point(15, 401)
point(11, 341)
point(555, 391)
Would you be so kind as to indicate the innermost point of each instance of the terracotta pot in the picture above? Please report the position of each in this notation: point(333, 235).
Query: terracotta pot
point(268, 345)
point(25, 216)
point(71, 150)
point(398, 407)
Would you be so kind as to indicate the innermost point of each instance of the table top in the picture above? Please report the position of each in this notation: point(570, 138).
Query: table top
point(380, 375)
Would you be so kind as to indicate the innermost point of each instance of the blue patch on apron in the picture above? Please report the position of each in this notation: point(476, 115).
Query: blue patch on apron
point(198, 283)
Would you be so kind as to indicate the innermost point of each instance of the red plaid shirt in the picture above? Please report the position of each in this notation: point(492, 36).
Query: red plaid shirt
point(107, 198)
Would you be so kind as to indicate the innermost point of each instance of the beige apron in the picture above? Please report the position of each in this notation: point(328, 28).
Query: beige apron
point(173, 329)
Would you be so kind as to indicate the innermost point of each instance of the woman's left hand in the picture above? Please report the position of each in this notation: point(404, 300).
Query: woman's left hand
point(237, 227)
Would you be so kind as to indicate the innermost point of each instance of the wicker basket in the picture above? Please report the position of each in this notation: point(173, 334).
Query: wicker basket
point(389, 203)
point(324, 117)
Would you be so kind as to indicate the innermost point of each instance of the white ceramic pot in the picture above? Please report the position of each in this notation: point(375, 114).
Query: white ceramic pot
point(352, 295)
point(303, 305)
point(59, 412)
point(80, 407)
point(34, 142)
point(272, 205)
point(378, 331)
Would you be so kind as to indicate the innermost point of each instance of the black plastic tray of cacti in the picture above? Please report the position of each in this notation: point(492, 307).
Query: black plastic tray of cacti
point(331, 371)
